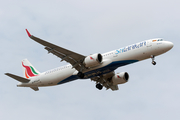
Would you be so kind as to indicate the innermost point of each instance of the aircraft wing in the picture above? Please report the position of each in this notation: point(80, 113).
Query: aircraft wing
point(105, 80)
point(73, 58)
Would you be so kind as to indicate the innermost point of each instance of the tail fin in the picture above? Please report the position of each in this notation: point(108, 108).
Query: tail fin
point(28, 69)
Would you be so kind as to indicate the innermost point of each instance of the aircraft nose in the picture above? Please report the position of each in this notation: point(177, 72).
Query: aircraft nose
point(169, 45)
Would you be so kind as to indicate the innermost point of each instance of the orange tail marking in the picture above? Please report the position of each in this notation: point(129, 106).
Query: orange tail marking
point(26, 74)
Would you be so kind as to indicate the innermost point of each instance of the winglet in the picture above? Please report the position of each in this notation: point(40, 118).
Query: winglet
point(28, 33)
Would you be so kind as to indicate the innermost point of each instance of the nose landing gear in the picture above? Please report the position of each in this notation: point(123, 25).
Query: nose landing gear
point(154, 63)
point(153, 57)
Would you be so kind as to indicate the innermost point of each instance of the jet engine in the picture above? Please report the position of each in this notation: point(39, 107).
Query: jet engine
point(93, 60)
point(120, 78)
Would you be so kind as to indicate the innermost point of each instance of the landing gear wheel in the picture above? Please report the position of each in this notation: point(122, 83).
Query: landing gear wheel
point(154, 63)
point(80, 75)
point(153, 57)
point(99, 86)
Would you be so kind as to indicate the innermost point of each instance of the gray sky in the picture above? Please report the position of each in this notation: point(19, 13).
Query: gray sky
point(89, 27)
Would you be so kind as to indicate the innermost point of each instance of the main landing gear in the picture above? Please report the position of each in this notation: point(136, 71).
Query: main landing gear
point(99, 86)
point(153, 57)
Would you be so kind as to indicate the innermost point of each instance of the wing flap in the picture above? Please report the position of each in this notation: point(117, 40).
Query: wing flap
point(18, 78)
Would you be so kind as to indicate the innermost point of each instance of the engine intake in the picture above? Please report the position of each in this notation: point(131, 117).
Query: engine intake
point(120, 78)
point(93, 60)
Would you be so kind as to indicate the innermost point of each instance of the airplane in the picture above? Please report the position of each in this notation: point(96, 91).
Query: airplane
point(98, 67)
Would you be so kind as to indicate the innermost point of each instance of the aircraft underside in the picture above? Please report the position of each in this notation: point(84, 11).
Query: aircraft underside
point(98, 72)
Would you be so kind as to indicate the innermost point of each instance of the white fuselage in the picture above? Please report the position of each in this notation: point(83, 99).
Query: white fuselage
point(111, 61)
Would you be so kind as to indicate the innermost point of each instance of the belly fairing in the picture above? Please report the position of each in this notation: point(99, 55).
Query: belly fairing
point(109, 68)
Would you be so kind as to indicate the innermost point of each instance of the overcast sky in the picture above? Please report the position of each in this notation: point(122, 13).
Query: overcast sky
point(87, 27)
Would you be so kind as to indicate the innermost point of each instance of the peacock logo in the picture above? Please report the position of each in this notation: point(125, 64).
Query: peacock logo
point(29, 71)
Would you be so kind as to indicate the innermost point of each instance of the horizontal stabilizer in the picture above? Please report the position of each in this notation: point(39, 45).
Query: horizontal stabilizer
point(18, 78)
point(35, 88)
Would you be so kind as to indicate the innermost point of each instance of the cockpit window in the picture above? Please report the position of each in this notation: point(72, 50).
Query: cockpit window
point(160, 40)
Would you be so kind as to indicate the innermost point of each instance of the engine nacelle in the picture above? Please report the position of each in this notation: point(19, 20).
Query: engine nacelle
point(120, 78)
point(93, 60)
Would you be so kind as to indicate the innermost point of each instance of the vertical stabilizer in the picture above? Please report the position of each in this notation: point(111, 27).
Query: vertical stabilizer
point(28, 69)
